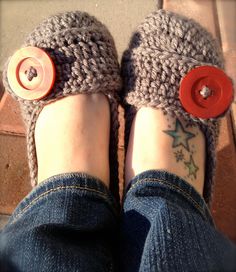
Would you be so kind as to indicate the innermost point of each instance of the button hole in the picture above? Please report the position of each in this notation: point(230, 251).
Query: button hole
point(205, 92)
point(31, 73)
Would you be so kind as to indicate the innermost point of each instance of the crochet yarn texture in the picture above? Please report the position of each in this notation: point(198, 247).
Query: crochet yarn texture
point(164, 48)
point(85, 59)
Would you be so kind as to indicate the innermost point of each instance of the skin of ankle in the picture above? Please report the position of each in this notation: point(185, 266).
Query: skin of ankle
point(163, 142)
point(72, 135)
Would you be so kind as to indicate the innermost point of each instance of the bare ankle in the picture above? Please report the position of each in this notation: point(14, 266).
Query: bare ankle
point(72, 135)
point(162, 142)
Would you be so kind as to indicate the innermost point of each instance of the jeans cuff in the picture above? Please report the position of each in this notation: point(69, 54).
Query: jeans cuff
point(175, 189)
point(68, 181)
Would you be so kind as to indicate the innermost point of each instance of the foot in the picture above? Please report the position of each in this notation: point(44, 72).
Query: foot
point(72, 135)
point(162, 142)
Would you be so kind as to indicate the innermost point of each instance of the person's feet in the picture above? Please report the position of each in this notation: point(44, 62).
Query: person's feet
point(162, 142)
point(72, 135)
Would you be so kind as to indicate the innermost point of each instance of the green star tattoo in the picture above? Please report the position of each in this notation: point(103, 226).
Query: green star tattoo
point(180, 135)
point(192, 167)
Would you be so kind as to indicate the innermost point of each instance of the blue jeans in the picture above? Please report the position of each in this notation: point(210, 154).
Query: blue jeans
point(71, 222)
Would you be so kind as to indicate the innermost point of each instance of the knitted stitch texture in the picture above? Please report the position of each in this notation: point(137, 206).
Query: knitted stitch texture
point(85, 59)
point(165, 47)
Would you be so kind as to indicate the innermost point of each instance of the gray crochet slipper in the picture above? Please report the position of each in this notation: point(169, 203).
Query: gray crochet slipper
point(85, 60)
point(165, 47)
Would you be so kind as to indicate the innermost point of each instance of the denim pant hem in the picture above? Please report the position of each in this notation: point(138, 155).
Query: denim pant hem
point(162, 179)
point(67, 181)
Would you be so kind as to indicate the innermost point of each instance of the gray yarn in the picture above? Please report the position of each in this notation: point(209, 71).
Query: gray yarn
point(165, 47)
point(85, 59)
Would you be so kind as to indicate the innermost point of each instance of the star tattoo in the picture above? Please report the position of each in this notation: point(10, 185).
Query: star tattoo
point(180, 135)
point(192, 167)
point(179, 155)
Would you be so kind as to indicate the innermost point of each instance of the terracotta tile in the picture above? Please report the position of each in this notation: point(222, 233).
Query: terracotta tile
point(224, 200)
point(122, 127)
point(1, 86)
point(3, 220)
point(230, 66)
point(226, 11)
point(202, 11)
point(233, 114)
point(121, 155)
point(230, 61)
point(14, 173)
point(10, 116)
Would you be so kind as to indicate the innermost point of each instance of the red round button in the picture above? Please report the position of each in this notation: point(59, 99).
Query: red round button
point(31, 73)
point(206, 92)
